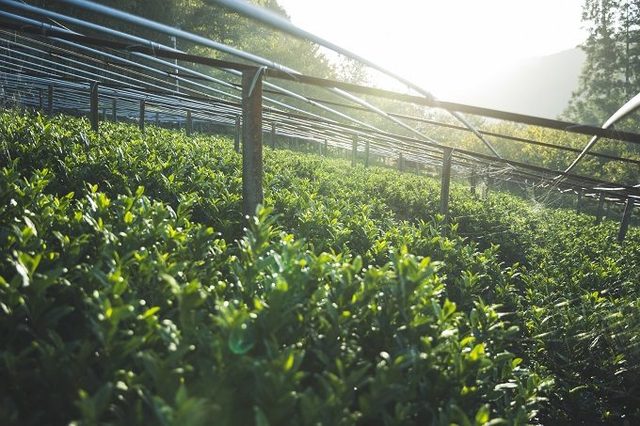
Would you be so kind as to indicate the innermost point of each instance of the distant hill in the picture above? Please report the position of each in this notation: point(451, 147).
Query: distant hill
point(539, 86)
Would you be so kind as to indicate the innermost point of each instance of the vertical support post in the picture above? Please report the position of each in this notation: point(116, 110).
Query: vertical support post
point(114, 110)
point(104, 113)
point(401, 162)
point(445, 182)
point(141, 116)
point(325, 148)
point(579, 202)
point(50, 99)
point(473, 181)
point(236, 141)
point(626, 216)
point(366, 153)
point(600, 211)
point(40, 99)
point(93, 107)
point(273, 135)
point(189, 124)
point(354, 150)
point(251, 140)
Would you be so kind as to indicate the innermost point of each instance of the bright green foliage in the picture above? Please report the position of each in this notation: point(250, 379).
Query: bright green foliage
point(131, 292)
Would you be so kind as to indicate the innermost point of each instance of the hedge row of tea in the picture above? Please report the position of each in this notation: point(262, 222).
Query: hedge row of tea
point(133, 292)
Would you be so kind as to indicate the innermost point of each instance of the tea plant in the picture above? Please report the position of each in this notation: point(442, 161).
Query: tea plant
point(133, 291)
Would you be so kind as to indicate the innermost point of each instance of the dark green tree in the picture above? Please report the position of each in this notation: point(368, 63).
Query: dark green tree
point(611, 73)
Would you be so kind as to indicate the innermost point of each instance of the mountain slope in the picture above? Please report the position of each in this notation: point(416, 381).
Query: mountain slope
point(540, 86)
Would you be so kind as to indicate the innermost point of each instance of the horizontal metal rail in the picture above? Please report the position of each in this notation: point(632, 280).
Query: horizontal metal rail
point(31, 59)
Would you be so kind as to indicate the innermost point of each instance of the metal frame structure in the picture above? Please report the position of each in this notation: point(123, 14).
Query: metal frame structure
point(96, 71)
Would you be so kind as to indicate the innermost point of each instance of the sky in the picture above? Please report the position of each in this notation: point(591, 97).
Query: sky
point(446, 46)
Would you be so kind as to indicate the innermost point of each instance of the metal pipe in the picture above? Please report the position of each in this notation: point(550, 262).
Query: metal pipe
point(192, 37)
point(632, 105)
point(279, 23)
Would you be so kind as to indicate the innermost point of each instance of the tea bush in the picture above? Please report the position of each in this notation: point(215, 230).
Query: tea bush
point(133, 291)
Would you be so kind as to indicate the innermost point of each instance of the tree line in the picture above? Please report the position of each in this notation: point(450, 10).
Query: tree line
point(611, 73)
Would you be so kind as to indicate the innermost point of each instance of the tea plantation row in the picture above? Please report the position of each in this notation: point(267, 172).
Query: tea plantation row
point(131, 292)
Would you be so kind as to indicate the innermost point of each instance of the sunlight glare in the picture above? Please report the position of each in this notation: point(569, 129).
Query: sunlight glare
point(446, 46)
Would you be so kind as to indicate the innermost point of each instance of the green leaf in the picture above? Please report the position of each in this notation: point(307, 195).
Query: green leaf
point(516, 362)
point(482, 415)
point(128, 217)
point(288, 364)
point(477, 352)
point(259, 417)
point(508, 385)
point(150, 312)
point(241, 339)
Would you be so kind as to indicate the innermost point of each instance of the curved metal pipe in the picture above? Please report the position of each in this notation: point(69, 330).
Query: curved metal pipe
point(45, 26)
point(632, 105)
point(154, 45)
point(275, 21)
point(93, 7)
